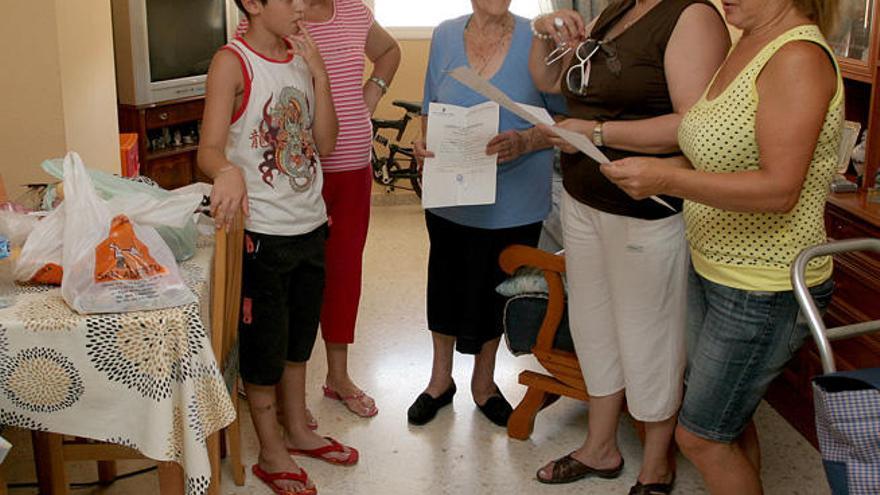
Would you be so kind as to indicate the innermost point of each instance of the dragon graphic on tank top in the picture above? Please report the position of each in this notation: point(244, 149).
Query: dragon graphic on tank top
point(286, 131)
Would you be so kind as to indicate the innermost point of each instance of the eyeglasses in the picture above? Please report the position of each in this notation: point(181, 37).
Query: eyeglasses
point(578, 76)
point(557, 54)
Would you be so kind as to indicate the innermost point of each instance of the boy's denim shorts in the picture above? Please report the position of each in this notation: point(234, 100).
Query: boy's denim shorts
point(738, 342)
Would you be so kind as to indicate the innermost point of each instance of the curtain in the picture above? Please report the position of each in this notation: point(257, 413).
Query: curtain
point(587, 8)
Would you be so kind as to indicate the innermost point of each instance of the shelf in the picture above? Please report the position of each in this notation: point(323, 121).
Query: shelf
point(857, 204)
point(855, 70)
point(174, 150)
point(163, 103)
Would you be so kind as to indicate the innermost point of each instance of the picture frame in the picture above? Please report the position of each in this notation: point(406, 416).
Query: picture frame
point(851, 131)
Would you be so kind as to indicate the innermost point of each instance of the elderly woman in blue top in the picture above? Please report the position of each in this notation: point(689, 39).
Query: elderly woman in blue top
point(464, 312)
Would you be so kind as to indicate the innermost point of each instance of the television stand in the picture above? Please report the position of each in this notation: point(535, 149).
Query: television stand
point(168, 135)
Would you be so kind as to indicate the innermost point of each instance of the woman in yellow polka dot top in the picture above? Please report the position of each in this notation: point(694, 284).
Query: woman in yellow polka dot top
point(760, 149)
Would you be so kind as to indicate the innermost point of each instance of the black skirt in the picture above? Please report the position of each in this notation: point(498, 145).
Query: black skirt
point(463, 272)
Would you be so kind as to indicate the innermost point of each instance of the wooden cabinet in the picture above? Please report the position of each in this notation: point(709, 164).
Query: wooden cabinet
point(171, 165)
point(857, 278)
point(856, 299)
point(847, 215)
point(857, 44)
point(852, 39)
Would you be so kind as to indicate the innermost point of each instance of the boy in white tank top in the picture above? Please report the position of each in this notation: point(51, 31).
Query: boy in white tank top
point(268, 118)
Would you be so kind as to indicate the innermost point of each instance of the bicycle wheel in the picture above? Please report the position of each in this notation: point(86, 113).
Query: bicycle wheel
point(416, 177)
point(377, 164)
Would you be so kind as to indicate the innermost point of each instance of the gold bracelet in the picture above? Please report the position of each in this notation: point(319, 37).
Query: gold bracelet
point(598, 134)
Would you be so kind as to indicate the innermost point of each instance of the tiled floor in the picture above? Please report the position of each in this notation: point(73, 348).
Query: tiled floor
point(460, 452)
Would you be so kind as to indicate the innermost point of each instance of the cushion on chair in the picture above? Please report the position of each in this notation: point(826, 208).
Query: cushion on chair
point(526, 280)
point(523, 315)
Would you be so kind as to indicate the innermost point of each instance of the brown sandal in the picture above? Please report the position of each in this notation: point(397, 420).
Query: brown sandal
point(568, 469)
point(653, 488)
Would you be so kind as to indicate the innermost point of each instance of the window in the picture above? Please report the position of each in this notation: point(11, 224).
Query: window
point(417, 18)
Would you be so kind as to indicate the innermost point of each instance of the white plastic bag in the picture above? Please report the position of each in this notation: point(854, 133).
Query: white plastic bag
point(16, 226)
point(40, 258)
point(112, 263)
point(204, 224)
point(181, 238)
point(175, 211)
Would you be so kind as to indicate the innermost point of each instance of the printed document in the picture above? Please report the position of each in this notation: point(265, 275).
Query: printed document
point(460, 173)
point(471, 79)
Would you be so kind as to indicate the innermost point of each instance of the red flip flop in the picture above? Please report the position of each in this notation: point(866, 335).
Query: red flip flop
point(270, 478)
point(353, 402)
point(322, 453)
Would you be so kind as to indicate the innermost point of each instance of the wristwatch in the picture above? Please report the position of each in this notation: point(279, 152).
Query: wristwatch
point(598, 139)
point(378, 81)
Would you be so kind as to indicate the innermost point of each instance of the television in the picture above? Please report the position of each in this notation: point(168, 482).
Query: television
point(164, 47)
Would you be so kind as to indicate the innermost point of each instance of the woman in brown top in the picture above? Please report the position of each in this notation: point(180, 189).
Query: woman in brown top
point(628, 79)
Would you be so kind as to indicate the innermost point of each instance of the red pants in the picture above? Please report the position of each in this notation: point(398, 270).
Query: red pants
point(347, 195)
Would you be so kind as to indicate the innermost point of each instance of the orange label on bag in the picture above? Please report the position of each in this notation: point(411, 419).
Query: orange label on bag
point(49, 274)
point(122, 256)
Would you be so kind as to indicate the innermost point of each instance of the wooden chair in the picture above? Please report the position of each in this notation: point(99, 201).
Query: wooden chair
point(52, 450)
point(225, 312)
point(565, 378)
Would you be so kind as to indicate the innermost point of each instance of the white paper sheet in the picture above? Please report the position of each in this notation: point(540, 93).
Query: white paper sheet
point(539, 113)
point(471, 79)
point(460, 173)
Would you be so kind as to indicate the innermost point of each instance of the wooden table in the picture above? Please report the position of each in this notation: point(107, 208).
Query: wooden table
point(146, 381)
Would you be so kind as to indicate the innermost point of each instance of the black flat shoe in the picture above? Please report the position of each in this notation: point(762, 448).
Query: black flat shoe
point(497, 409)
point(425, 407)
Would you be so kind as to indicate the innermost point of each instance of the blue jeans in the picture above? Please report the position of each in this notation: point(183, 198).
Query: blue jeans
point(738, 342)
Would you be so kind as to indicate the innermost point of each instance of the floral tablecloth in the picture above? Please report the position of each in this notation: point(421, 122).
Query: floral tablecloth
point(146, 380)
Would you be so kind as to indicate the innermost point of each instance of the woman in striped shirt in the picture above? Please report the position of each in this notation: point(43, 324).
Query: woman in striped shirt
point(347, 34)
point(345, 31)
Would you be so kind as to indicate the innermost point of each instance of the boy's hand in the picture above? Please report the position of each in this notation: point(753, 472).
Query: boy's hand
point(304, 46)
point(228, 195)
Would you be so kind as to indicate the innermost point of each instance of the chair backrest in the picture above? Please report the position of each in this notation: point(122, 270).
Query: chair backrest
point(226, 289)
point(553, 266)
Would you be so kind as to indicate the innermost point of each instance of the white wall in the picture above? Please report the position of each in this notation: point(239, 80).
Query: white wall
point(58, 87)
point(32, 126)
point(88, 81)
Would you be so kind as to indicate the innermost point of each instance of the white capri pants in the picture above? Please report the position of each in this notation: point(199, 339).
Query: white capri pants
point(627, 284)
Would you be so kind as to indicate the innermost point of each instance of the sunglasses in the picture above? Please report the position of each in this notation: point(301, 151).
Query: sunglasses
point(577, 79)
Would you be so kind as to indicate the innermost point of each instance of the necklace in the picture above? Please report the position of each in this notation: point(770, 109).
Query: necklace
point(482, 49)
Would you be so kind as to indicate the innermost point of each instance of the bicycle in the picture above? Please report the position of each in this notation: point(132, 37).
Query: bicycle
point(399, 163)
